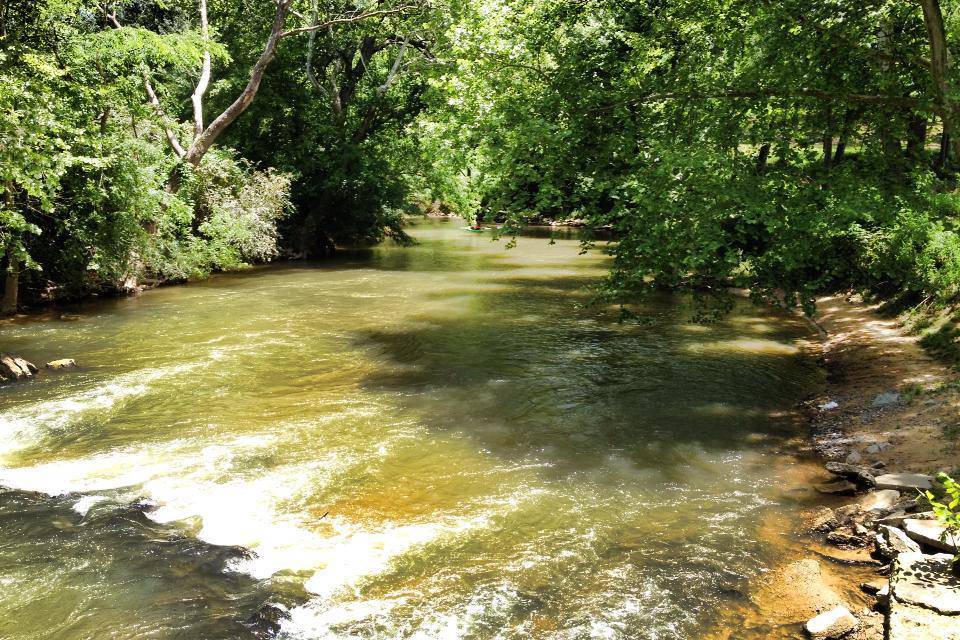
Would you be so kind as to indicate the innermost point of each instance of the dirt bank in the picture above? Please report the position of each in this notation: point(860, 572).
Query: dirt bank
point(885, 401)
point(867, 356)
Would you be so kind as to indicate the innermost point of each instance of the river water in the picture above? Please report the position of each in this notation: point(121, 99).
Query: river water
point(441, 441)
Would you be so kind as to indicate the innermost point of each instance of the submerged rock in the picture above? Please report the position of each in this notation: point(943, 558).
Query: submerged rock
point(909, 482)
point(846, 538)
point(266, 622)
point(824, 521)
point(832, 624)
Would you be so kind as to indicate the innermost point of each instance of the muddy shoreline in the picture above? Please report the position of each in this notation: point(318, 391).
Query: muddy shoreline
point(884, 404)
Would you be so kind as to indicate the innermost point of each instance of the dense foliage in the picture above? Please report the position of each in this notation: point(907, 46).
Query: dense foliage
point(789, 147)
point(126, 154)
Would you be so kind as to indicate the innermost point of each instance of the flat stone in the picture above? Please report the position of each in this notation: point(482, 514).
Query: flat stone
point(837, 488)
point(877, 447)
point(881, 500)
point(832, 624)
point(894, 519)
point(891, 542)
point(926, 581)
point(873, 587)
point(886, 399)
point(907, 482)
point(930, 532)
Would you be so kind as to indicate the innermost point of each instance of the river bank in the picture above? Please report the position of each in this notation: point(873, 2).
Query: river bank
point(885, 405)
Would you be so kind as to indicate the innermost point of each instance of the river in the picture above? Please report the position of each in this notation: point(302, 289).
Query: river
point(439, 441)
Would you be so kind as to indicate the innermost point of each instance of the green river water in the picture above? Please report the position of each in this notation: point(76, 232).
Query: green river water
point(433, 442)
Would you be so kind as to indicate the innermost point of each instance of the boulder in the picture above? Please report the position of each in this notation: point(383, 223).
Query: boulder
point(877, 447)
point(853, 457)
point(882, 500)
point(924, 601)
point(931, 533)
point(860, 475)
point(832, 624)
point(906, 482)
point(65, 363)
point(838, 488)
point(891, 542)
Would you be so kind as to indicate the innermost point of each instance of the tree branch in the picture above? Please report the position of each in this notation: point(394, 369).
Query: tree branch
point(151, 94)
point(893, 101)
point(204, 81)
point(346, 20)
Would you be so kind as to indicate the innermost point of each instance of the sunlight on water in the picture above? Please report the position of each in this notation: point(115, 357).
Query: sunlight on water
point(444, 441)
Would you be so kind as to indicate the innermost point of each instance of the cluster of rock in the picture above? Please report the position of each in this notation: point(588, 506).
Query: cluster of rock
point(921, 599)
point(16, 368)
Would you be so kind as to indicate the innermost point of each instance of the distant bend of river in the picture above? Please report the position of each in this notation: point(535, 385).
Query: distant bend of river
point(435, 442)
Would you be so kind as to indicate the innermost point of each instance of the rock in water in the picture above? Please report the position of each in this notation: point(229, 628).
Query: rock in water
point(908, 482)
point(882, 500)
point(861, 475)
point(831, 625)
point(930, 533)
point(839, 488)
point(65, 363)
point(924, 598)
point(824, 521)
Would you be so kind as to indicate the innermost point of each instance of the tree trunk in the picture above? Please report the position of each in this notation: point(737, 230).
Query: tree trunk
point(762, 155)
point(916, 137)
point(827, 151)
point(11, 286)
point(941, 162)
point(939, 69)
point(202, 142)
point(841, 149)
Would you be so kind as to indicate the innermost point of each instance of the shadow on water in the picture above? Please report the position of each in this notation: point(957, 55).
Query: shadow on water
point(568, 384)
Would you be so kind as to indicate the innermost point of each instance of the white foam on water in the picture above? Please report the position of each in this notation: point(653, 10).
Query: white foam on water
point(84, 504)
point(27, 424)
